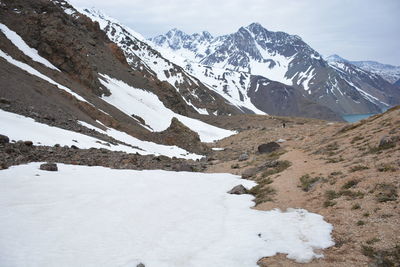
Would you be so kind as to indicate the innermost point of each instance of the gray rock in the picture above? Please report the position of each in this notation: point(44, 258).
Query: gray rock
point(249, 173)
point(268, 148)
point(269, 164)
point(140, 265)
point(243, 157)
point(52, 167)
point(388, 141)
point(4, 139)
point(182, 167)
point(238, 190)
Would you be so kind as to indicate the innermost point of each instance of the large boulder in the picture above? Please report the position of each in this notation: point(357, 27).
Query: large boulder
point(268, 147)
point(238, 190)
point(52, 167)
point(4, 139)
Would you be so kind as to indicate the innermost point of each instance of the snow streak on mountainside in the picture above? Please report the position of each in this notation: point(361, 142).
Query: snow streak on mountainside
point(277, 56)
point(232, 85)
point(29, 51)
point(32, 71)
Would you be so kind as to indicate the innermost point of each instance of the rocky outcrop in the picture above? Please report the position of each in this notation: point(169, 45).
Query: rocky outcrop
point(180, 135)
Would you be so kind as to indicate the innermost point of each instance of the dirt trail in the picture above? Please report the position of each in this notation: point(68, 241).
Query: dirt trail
point(289, 195)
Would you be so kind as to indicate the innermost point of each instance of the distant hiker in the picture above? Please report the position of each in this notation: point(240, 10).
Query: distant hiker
point(284, 125)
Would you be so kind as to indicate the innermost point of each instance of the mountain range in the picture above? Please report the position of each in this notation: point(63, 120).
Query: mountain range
point(280, 57)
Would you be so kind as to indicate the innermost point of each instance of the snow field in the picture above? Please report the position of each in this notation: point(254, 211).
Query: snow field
point(95, 216)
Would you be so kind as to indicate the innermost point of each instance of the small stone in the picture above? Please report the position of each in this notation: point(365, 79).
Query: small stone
point(140, 265)
point(28, 143)
point(4, 139)
point(52, 167)
point(387, 141)
point(243, 157)
point(238, 190)
point(4, 101)
point(74, 147)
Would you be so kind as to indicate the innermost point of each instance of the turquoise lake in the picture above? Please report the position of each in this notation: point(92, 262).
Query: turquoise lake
point(356, 117)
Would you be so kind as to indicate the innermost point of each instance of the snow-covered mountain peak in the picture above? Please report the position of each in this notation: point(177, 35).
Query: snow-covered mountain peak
point(104, 20)
point(335, 58)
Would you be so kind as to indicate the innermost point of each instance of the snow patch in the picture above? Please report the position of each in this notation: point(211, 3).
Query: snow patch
point(149, 107)
point(18, 127)
point(95, 216)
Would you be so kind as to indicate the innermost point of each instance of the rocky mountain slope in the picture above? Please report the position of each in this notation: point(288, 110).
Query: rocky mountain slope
point(280, 57)
point(58, 67)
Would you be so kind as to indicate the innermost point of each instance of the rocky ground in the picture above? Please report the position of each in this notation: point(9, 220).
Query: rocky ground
point(349, 173)
point(21, 152)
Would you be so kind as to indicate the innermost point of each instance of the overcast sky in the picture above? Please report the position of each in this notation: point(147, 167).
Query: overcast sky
point(354, 29)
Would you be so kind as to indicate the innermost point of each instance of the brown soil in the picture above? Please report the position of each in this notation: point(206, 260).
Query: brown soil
point(357, 183)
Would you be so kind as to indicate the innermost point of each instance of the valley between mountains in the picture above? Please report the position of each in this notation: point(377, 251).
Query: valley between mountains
point(190, 149)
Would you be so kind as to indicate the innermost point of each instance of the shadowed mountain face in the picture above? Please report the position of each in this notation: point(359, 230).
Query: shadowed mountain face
point(284, 58)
